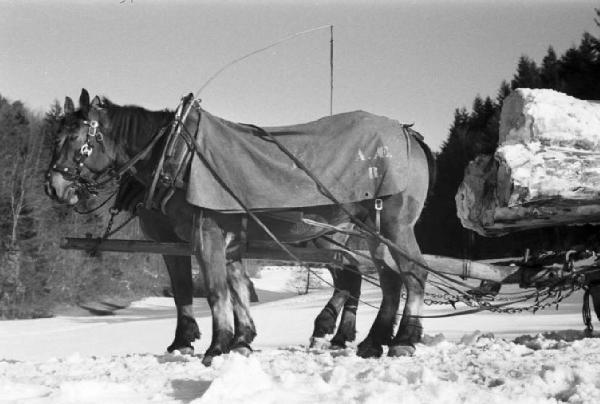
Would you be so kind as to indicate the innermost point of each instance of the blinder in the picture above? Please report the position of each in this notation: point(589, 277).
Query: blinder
point(71, 173)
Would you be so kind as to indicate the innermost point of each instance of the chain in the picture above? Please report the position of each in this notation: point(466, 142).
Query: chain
point(556, 296)
point(113, 213)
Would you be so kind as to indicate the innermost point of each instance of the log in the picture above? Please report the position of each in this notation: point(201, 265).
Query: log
point(517, 273)
point(545, 172)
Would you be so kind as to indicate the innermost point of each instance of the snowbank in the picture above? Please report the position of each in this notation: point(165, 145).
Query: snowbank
point(481, 369)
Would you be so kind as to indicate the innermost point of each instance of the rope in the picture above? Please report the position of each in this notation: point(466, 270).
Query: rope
point(287, 38)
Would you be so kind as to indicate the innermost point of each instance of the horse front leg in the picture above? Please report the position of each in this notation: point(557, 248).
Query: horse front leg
point(209, 246)
point(187, 331)
point(158, 227)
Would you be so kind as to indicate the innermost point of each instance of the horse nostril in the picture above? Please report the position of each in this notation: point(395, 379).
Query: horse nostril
point(49, 189)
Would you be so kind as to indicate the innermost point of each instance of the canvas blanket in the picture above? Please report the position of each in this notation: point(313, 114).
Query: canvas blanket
point(356, 155)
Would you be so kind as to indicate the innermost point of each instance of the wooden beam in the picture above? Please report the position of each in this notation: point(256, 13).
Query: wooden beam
point(318, 256)
point(130, 246)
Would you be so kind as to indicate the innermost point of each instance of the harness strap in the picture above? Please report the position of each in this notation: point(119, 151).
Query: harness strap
point(167, 151)
point(129, 165)
point(586, 312)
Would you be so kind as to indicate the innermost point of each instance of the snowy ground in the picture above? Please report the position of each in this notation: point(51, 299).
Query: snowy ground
point(121, 359)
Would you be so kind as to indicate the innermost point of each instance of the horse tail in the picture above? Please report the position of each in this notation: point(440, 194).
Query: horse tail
point(431, 161)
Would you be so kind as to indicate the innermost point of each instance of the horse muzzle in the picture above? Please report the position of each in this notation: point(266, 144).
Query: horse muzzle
point(61, 190)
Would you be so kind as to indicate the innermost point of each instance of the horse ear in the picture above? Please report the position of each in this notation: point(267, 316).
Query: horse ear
point(84, 101)
point(98, 103)
point(69, 108)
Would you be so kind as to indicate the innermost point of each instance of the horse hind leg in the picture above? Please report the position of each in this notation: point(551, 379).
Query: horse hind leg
point(326, 320)
point(382, 330)
point(346, 292)
point(346, 331)
point(411, 266)
point(414, 277)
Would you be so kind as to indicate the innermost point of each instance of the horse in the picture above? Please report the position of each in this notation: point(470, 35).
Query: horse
point(101, 137)
point(346, 281)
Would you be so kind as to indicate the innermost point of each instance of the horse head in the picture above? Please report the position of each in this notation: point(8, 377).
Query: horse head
point(95, 141)
point(82, 151)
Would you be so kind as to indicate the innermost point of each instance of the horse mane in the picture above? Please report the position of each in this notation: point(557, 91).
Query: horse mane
point(132, 126)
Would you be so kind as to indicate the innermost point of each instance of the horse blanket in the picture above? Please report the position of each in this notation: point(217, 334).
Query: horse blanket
point(356, 155)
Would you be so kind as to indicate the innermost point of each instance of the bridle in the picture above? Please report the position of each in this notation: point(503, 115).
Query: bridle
point(73, 173)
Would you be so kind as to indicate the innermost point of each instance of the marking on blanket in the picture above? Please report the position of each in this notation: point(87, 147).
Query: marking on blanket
point(382, 152)
point(373, 173)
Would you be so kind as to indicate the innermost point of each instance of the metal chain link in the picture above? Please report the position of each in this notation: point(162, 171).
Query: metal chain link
point(556, 295)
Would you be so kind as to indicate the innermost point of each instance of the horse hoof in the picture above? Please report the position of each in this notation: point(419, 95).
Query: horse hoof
point(185, 351)
point(318, 343)
point(207, 360)
point(242, 348)
point(337, 346)
point(369, 351)
point(401, 350)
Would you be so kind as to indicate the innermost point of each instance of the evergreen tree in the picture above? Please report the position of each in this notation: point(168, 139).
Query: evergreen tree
point(580, 69)
point(503, 92)
point(550, 70)
point(528, 75)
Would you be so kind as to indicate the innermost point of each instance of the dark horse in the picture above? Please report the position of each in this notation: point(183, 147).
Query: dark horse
point(82, 156)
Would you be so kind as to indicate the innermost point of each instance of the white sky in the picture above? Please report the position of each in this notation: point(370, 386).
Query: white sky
point(415, 61)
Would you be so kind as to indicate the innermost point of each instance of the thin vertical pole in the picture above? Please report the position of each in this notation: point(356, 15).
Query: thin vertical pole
point(330, 113)
point(331, 70)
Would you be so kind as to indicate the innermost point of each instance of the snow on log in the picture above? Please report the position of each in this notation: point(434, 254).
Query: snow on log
point(545, 172)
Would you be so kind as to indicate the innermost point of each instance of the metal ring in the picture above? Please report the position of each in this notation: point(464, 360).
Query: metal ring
point(86, 150)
